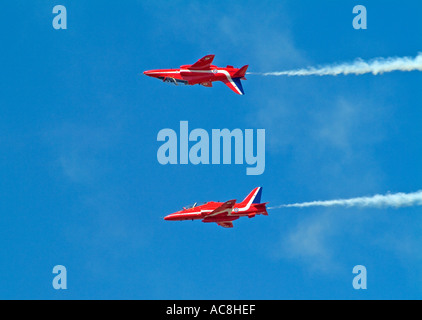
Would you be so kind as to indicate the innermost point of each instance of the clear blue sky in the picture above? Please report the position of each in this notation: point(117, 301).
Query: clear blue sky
point(80, 184)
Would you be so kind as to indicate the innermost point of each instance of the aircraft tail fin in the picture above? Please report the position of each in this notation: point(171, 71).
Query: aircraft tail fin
point(235, 85)
point(253, 197)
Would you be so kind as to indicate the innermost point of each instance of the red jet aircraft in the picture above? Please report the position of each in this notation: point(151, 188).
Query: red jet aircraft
point(223, 213)
point(203, 73)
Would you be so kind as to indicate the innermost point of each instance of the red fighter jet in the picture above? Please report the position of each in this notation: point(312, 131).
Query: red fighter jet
point(223, 213)
point(203, 73)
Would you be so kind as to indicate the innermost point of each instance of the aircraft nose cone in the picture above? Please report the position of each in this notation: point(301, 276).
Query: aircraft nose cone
point(168, 217)
point(147, 73)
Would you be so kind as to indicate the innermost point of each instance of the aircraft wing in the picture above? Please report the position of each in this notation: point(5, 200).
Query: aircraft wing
point(220, 215)
point(203, 63)
point(225, 208)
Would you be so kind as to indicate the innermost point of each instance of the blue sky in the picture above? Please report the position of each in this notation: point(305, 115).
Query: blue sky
point(81, 186)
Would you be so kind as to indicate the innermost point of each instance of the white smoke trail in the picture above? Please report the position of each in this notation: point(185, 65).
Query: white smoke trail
point(395, 200)
point(359, 66)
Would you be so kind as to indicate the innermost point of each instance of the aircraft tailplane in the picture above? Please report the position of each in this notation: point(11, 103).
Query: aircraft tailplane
point(241, 72)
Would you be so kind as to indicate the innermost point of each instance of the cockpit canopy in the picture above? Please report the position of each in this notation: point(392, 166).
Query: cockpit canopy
point(193, 205)
point(174, 81)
